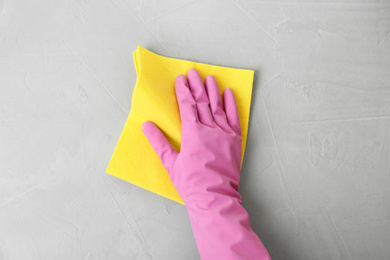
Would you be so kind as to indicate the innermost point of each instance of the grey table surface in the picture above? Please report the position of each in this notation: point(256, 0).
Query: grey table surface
point(316, 174)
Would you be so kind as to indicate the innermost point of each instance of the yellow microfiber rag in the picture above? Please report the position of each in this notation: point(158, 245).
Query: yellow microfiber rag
point(154, 99)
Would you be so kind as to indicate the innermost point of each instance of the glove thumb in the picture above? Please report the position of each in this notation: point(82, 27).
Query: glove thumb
point(160, 145)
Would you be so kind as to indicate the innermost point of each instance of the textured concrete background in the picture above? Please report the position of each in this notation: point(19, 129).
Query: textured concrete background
point(316, 176)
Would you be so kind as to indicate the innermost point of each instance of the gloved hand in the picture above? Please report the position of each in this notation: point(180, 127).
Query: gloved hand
point(206, 172)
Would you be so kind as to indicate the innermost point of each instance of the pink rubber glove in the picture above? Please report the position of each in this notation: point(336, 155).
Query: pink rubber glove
point(206, 172)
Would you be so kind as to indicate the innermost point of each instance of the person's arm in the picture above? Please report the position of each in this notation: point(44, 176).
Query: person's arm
point(206, 172)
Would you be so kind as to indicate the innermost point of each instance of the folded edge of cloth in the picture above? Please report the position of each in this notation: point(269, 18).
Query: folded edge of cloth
point(154, 99)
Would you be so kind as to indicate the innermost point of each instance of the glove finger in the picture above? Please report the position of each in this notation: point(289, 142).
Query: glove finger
point(216, 103)
point(160, 145)
point(187, 104)
point(231, 110)
point(202, 101)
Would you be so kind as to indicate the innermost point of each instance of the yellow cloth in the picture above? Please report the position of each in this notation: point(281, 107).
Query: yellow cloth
point(154, 99)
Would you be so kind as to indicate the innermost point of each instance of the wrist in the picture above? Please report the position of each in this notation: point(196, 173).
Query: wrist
point(222, 228)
